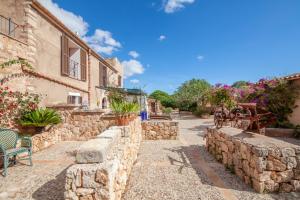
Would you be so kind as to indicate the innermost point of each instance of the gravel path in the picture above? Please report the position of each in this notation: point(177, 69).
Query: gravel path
point(183, 169)
point(45, 180)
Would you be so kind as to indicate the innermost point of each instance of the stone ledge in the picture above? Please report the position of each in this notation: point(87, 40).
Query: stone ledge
point(95, 150)
point(160, 130)
point(267, 164)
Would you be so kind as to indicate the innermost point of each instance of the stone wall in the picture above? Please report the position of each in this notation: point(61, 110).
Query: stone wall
point(160, 129)
point(267, 164)
point(104, 164)
point(76, 125)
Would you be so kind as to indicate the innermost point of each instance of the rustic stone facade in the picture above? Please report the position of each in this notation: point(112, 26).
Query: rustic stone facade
point(267, 164)
point(160, 129)
point(106, 179)
point(76, 125)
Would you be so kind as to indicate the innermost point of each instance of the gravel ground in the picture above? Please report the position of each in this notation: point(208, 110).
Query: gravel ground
point(183, 169)
point(45, 180)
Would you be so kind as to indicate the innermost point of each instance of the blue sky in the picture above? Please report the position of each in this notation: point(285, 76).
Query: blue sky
point(177, 40)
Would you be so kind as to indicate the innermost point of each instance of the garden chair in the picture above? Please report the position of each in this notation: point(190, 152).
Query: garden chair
point(9, 149)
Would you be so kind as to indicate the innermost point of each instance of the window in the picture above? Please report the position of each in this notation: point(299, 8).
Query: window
point(120, 81)
point(8, 27)
point(102, 75)
point(74, 98)
point(74, 59)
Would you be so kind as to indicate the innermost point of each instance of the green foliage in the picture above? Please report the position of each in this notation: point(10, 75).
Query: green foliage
point(297, 131)
point(223, 96)
point(167, 110)
point(240, 84)
point(201, 111)
point(124, 108)
point(16, 61)
point(40, 118)
point(165, 99)
point(115, 95)
point(191, 92)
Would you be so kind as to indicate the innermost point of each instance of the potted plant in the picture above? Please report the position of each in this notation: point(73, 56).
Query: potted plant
point(35, 121)
point(124, 111)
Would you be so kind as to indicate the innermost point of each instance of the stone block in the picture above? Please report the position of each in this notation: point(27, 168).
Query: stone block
point(271, 186)
point(93, 151)
point(286, 187)
point(275, 165)
point(258, 186)
point(288, 152)
point(296, 185)
point(284, 176)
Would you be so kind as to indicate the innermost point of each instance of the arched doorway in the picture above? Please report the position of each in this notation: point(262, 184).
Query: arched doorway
point(104, 103)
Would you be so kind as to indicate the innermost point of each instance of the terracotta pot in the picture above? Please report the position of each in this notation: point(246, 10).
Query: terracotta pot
point(122, 120)
point(31, 130)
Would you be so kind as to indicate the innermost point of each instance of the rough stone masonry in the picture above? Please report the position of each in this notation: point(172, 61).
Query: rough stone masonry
point(267, 164)
point(104, 164)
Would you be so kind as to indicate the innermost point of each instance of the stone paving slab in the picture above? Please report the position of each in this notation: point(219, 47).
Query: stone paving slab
point(44, 180)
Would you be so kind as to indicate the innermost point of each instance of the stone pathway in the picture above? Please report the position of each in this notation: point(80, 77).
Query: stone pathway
point(183, 169)
point(45, 180)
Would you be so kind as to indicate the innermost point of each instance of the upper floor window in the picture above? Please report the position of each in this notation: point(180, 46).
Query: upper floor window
point(7, 26)
point(119, 81)
point(74, 59)
point(102, 75)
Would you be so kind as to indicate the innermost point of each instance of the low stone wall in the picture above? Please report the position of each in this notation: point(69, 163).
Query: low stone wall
point(267, 164)
point(160, 130)
point(105, 164)
point(76, 125)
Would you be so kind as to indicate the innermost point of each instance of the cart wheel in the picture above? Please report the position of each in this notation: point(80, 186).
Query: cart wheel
point(218, 120)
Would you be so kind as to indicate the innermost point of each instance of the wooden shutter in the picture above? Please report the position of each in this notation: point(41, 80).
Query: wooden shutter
point(104, 76)
point(64, 55)
point(83, 64)
point(100, 75)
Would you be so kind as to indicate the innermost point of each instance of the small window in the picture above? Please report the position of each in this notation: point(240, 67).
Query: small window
point(74, 99)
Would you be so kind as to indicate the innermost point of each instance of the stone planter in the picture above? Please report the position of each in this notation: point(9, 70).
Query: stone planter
point(31, 130)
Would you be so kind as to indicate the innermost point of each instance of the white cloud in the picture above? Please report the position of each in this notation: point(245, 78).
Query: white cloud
point(101, 41)
point(132, 67)
point(171, 6)
point(134, 54)
point(200, 57)
point(74, 22)
point(134, 81)
point(162, 37)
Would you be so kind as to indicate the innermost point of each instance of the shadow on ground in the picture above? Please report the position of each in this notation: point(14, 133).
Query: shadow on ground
point(52, 190)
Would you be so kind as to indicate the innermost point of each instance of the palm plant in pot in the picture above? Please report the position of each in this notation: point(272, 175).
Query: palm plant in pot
point(35, 121)
point(124, 111)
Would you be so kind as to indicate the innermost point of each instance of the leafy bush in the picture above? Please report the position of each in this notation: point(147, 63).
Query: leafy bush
point(124, 108)
point(190, 93)
point(40, 118)
point(297, 131)
point(167, 111)
point(165, 99)
point(14, 104)
point(201, 111)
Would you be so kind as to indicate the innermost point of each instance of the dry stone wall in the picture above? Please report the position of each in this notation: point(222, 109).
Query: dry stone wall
point(102, 173)
point(76, 125)
point(267, 164)
point(160, 130)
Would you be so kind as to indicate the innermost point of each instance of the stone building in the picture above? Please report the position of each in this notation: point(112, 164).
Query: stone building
point(65, 69)
point(295, 117)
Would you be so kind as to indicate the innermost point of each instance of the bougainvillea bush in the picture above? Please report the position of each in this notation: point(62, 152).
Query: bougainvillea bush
point(275, 96)
point(13, 104)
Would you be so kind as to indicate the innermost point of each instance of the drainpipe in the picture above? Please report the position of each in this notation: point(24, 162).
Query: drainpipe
point(89, 78)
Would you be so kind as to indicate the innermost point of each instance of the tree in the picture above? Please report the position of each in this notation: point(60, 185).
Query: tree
point(240, 84)
point(165, 99)
point(192, 92)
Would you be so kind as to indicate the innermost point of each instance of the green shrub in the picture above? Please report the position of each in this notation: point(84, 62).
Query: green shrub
point(124, 108)
point(297, 131)
point(202, 111)
point(40, 118)
point(167, 110)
